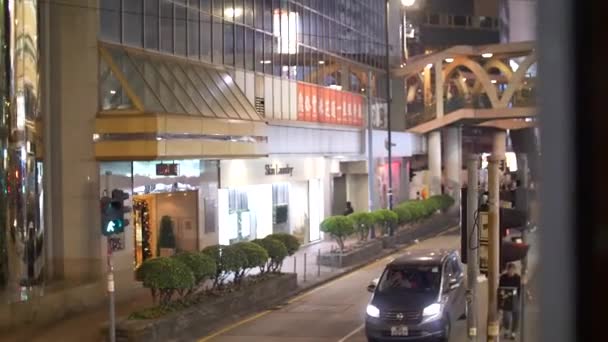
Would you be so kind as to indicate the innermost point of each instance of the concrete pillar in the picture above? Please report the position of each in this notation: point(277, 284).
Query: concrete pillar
point(434, 156)
point(453, 162)
point(500, 144)
point(439, 87)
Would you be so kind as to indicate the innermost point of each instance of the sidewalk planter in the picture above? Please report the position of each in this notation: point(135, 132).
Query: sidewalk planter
point(194, 322)
point(359, 254)
point(388, 242)
point(429, 227)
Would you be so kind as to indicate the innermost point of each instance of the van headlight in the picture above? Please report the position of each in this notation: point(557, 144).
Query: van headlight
point(432, 310)
point(373, 311)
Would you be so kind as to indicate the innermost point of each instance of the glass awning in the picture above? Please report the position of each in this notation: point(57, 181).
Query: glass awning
point(144, 82)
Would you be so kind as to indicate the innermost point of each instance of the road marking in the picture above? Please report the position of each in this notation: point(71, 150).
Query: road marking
point(352, 333)
point(235, 325)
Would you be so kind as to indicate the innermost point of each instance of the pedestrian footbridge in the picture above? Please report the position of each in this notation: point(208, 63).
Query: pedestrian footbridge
point(490, 85)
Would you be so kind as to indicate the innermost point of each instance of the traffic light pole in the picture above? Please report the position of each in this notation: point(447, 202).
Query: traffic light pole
point(112, 325)
point(472, 236)
point(493, 247)
point(523, 167)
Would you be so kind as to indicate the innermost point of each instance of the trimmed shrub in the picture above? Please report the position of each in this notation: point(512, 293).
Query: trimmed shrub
point(229, 259)
point(387, 219)
point(339, 228)
point(164, 277)
point(404, 213)
point(363, 221)
point(277, 252)
point(256, 256)
point(202, 266)
point(234, 260)
point(291, 242)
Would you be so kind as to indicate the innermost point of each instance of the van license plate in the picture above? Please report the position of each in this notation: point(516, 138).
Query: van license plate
point(399, 331)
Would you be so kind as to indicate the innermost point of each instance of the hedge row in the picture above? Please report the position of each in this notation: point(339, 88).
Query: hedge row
point(186, 273)
point(341, 227)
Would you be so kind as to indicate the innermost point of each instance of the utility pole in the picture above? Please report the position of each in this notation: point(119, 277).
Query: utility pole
point(472, 236)
point(525, 203)
point(370, 144)
point(389, 99)
point(493, 246)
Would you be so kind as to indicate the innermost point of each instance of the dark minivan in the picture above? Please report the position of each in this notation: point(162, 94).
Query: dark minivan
point(417, 298)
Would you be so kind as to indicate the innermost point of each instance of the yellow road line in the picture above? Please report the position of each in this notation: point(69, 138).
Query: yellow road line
point(235, 325)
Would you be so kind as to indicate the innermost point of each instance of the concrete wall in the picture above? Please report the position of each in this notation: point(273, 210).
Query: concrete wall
point(75, 177)
point(356, 191)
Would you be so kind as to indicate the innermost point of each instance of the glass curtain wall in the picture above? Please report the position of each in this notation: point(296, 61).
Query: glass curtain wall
point(21, 226)
point(314, 41)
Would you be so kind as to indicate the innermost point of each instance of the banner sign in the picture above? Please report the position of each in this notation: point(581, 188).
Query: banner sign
point(326, 105)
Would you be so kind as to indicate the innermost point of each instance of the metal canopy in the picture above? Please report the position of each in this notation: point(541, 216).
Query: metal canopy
point(139, 82)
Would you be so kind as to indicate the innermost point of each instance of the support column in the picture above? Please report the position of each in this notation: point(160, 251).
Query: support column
point(21, 243)
point(434, 157)
point(453, 162)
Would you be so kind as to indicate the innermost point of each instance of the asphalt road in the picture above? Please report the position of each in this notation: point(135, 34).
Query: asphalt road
point(334, 312)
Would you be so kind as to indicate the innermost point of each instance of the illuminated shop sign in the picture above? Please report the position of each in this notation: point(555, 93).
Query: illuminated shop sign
point(273, 170)
point(167, 169)
point(327, 105)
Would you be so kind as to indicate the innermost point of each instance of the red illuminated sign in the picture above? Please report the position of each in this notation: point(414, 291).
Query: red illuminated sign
point(326, 105)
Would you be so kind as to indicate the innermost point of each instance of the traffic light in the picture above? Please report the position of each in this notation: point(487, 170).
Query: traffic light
point(113, 212)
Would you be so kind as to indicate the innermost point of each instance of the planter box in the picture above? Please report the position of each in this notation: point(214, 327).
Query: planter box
point(389, 242)
point(194, 322)
point(429, 227)
point(363, 253)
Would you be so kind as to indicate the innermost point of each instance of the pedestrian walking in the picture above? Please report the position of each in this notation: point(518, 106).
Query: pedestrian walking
point(510, 287)
point(349, 209)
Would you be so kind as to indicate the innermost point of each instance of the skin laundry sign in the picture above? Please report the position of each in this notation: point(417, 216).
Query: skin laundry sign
point(273, 170)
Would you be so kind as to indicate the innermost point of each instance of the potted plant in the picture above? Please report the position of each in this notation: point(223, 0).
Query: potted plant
point(166, 239)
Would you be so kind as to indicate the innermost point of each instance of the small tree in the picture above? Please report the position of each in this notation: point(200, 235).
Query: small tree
point(291, 242)
point(364, 221)
point(202, 266)
point(387, 219)
point(276, 252)
point(256, 257)
point(164, 277)
point(166, 237)
point(339, 228)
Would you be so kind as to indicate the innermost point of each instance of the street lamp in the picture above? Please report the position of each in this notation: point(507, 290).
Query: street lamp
point(404, 5)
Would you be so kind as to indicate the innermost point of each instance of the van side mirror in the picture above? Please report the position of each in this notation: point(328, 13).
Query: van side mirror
point(372, 285)
point(453, 284)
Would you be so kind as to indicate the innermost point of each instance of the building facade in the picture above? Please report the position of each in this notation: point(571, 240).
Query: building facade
point(227, 120)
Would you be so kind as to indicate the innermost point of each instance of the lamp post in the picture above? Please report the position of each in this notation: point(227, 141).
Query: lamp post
point(389, 99)
point(405, 4)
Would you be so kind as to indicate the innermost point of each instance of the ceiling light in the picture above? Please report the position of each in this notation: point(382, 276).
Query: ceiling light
point(408, 3)
point(430, 65)
point(112, 91)
point(449, 60)
point(464, 79)
point(487, 55)
point(233, 12)
point(265, 61)
point(321, 62)
point(493, 81)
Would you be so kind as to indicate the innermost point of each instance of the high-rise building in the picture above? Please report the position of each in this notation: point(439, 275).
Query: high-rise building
point(434, 25)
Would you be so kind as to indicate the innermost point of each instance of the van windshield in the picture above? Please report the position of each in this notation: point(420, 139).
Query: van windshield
point(410, 279)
